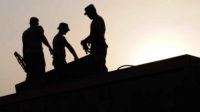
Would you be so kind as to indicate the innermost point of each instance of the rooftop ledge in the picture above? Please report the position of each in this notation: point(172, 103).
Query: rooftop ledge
point(135, 72)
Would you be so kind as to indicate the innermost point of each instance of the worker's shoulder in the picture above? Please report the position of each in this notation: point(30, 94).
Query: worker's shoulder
point(58, 38)
point(39, 28)
point(99, 18)
point(26, 31)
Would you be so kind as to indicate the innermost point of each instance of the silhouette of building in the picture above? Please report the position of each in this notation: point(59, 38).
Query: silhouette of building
point(169, 85)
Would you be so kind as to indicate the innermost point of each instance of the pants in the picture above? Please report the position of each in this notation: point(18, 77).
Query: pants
point(60, 67)
point(59, 63)
point(35, 66)
point(98, 58)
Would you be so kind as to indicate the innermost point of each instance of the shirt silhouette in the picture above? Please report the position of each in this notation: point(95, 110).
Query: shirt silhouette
point(95, 43)
point(32, 39)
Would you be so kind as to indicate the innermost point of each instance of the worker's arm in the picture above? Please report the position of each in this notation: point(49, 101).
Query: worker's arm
point(71, 49)
point(45, 41)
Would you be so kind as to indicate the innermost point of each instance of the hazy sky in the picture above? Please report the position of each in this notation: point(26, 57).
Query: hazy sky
point(138, 31)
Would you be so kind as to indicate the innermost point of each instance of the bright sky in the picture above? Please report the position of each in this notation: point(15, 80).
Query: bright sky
point(138, 31)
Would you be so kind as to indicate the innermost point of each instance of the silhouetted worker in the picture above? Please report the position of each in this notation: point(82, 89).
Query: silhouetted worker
point(95, 43)
point(33, 55)
point(59, 44)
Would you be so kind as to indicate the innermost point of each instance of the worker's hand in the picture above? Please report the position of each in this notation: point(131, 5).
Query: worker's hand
point(86, 49)
point(75, 58)
point(85, 46)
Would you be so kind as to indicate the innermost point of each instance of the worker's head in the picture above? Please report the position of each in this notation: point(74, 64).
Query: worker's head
point(63, 28)
point(90, 11)
point(34, 21)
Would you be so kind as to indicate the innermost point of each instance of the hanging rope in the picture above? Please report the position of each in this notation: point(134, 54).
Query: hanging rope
point(124, 66)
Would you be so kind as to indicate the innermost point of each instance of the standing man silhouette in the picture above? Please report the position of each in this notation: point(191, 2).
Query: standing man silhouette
point(95, 43)
point(32, 39)
point(59, 44)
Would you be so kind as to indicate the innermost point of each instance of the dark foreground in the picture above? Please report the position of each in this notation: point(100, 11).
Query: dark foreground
point(169, 85)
